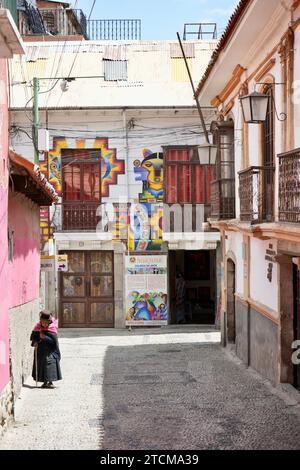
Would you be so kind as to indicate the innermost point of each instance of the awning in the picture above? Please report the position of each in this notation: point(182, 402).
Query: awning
point(26, 178)
point(10, 40)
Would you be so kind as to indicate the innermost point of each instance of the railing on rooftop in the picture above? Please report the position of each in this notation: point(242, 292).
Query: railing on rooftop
point(114, 30)
point(200, 31)
point(11, 5)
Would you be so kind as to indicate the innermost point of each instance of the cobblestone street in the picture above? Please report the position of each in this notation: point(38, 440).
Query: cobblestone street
point(174, 388)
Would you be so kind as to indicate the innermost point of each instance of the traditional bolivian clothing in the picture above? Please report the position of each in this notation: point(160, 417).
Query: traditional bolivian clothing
point(48, 353)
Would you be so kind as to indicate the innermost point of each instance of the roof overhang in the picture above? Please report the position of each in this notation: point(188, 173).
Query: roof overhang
point(245, 25)
point(10, 40)
point(26, 178)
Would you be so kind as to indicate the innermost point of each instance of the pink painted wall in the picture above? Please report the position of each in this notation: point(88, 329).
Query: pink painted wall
point(24, 270)
point(4, 298)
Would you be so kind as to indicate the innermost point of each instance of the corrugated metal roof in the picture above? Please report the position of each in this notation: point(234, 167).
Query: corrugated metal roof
point(115, 70)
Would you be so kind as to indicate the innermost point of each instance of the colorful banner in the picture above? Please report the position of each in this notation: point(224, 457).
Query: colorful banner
point(146, 290)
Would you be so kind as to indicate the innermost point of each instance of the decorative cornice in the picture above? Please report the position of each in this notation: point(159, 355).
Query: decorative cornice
point(267, 67)
point(230, 86)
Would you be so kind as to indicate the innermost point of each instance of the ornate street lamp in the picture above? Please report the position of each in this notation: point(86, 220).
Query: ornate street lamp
point(255, 107)
point(207, 154)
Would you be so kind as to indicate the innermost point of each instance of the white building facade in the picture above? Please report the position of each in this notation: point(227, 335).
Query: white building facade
point(124, 133)
point(256, 187)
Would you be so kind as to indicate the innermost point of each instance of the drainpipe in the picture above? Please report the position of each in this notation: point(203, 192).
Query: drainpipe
point(126, 144)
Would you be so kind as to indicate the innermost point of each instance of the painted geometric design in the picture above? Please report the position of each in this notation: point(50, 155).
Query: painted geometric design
point(111, 167)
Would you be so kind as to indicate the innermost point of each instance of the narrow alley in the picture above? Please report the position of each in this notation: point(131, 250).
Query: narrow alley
point(171, 388)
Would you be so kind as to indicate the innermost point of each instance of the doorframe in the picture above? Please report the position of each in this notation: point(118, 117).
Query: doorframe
point(87, 299)
point(231, 339)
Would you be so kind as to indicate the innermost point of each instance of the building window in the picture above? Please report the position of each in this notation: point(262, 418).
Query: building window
point(223, 184)
point(81, 190)
point(268, 133)
point(115, 70)
point(187, 182)
point(268, 162)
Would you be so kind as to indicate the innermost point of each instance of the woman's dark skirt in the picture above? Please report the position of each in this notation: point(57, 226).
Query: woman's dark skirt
point(48, 367)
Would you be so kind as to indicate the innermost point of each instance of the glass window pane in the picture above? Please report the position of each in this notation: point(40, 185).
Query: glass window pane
point(72, 182)
point(91, 182)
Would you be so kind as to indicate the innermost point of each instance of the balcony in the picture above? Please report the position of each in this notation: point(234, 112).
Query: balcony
point(289, 187)
point(64, 22)
point(256, 193)
point(223, 199)
point(76, 217)
point(185, 218)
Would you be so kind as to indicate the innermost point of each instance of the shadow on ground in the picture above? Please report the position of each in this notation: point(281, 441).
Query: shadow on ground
point(188, 396)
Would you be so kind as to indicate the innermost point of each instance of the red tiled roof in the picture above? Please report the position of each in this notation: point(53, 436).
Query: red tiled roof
point(35, 174)
point(230, 28)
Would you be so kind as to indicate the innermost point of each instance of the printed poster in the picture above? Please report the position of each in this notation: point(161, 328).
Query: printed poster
point(146, 290)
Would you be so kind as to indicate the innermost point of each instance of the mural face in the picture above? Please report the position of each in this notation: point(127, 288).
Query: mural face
point(150, 171)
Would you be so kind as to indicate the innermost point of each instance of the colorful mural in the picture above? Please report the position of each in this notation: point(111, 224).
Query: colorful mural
point(147, 229)
point(111, 167)
point(150, 171)
point(150, 306)
point(145, 232)
point(146, 290)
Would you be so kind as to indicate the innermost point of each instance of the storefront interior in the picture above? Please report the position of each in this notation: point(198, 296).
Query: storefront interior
point(192, 287)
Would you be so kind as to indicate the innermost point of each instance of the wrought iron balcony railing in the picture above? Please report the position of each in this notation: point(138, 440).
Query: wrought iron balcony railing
point(256, 193)
point(76, 217)
point(185, 218)
point(223, 199)
point(289, 186)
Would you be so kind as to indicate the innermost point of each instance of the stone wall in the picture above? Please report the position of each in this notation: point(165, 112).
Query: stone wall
point(6, 407)
point(242, 331)
point(264, 346)
point(21, 322)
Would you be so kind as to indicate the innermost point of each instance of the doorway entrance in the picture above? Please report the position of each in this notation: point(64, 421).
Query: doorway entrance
point(192, 286)
point(87, 290)
point(230, 309)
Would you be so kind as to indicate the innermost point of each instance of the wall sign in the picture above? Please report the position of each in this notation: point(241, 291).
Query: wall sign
point(146, 290)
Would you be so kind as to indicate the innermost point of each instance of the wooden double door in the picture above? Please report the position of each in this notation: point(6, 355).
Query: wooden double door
point(87, 290)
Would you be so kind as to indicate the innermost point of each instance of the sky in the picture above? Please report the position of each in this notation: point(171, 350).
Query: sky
point(161, 19)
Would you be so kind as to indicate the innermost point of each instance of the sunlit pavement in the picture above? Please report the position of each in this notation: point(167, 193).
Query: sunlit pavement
point(168, 388)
